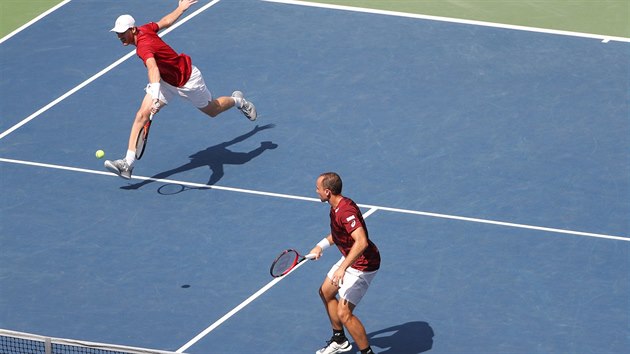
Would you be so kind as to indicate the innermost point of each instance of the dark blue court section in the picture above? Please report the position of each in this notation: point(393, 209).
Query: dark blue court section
point(427, 116)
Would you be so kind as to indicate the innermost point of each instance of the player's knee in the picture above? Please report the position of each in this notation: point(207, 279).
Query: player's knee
point(344, 314)
point(212, 109)
point(326, 295)
point(212, 112)
point(323, 295)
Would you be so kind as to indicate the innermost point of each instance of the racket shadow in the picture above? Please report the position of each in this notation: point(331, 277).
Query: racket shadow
point(408, 338)
point(215, 158)
point(176, 188)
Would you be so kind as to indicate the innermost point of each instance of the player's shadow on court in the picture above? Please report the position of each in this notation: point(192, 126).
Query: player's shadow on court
point(409, 338)
point(215, 157)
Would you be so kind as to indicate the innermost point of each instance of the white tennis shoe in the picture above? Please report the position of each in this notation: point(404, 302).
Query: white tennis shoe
point(333, 347)
point(248, 108)
point(119, 167)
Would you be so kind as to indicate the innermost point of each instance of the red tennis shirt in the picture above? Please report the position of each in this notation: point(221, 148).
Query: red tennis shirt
point(174, 68)
point(343, 221)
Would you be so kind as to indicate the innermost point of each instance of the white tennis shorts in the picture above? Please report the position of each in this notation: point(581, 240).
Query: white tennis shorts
point(194, 90)
point(355, 282)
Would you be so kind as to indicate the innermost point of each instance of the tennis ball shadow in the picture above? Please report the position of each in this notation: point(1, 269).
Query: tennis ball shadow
point(408, 338)
point(215, 158)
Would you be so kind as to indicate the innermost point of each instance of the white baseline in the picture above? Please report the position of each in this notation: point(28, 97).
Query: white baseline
point(600, 37)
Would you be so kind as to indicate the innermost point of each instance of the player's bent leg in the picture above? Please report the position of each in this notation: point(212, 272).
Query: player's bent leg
point(124, 166)
point(218, 106)
point(352, 323)
point(328, 294)
point(142, 116)
point(338, 343)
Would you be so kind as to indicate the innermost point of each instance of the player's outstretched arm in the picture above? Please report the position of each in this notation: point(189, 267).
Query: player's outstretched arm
point(170, 19)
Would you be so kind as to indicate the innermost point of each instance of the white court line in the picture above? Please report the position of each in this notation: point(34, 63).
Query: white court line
point(101, 73)
point(288, 196)
point(44, 14)
point(248, 301)
point(603, 38)
point(237, 309)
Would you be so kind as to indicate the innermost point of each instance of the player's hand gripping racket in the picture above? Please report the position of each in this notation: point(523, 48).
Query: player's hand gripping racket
point(143, 136)
point(286, 261)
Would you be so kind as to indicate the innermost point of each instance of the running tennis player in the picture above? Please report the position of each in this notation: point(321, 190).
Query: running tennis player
point(170, 75)
point(351, 276)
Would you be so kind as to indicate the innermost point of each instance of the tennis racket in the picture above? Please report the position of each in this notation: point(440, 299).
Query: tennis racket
point(143, 135)
point(286, 261)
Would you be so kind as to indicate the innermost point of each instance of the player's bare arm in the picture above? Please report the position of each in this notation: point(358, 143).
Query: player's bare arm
point(152, 70)
point(154, 78)
point(170, 19)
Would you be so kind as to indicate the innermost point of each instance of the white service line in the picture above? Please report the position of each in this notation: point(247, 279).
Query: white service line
point(501, 223)
point(603, 38)
point(372, 208)
point(44, 14)
point(370, 212)
point(101, 73)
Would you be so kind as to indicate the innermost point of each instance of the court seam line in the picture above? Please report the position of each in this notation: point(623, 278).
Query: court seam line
point(101, 73)
point(31, 22)
point(295, 197)
point(249, 300)
point(602, 37)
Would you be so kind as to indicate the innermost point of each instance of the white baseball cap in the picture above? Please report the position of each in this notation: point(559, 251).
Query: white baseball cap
point(123, 23)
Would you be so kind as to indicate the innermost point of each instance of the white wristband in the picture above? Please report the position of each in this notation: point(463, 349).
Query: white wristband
point(323, 244)
point(154, 90)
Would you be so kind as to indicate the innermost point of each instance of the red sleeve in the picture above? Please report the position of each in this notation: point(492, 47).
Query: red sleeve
point(350, 220)
point(144, 49)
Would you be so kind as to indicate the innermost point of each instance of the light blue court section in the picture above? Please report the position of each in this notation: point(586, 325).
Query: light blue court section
point(425, 116)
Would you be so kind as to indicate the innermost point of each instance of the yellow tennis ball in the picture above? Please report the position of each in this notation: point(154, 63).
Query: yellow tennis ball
point(99, 154)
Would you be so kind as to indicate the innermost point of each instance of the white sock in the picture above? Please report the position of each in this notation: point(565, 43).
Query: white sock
point(130, 158)
point(238, 102)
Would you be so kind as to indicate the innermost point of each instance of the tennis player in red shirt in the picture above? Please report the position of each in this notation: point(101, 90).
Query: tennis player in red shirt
point(170, 75)
point(351, 276)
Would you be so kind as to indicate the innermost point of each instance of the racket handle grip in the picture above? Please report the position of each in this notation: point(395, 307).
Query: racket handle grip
point(310, 256)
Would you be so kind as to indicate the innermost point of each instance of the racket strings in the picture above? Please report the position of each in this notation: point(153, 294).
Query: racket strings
point(284, 263)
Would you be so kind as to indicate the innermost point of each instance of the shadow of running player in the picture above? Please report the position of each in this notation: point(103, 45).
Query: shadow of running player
point(215, 157)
